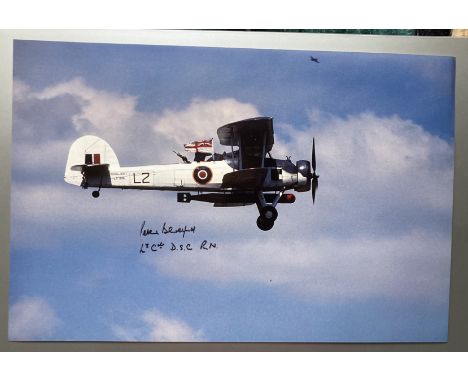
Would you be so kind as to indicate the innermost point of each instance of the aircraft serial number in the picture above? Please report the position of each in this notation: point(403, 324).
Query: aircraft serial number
point(142, 178)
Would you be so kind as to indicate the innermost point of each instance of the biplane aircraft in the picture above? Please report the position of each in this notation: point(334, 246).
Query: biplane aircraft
point(247, 174)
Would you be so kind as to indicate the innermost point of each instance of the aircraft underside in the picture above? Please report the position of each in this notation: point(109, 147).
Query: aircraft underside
point(265, 199)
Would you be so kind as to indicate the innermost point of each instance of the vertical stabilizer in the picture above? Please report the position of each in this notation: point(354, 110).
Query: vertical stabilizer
point(88, 151)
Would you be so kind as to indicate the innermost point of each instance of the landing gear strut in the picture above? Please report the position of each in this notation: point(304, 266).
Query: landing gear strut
point(268, 212)
point(96, 192)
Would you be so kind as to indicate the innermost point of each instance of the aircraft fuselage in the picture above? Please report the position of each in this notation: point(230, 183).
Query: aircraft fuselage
point(195, 176)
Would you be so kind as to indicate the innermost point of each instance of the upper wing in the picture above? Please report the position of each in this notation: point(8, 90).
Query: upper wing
point(253, 136)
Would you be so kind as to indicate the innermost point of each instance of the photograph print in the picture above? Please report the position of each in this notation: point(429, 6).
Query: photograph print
point(200, 194)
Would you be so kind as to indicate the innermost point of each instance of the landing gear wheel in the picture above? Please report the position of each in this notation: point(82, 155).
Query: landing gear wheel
point(95, 194)
point(268, 213)
point(265, 225)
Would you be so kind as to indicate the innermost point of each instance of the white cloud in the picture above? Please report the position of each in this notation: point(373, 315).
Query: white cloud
point(380, 225)
point(31, 318)
point(73, 108)
point(380, 172)
point(101, 110)
point(414, 265)
point(201, 118)
point(21, 89)
point(45, 204)
point(156, 327)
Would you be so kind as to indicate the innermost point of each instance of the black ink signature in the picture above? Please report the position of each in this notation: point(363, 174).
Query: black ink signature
point(159, 245)
point(207, 245)
point(169, 229)
point(147, 231)
point(173, 247)
point(166, 229)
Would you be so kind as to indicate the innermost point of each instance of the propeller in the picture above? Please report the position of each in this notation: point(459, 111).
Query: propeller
point(313, 175)
point(307, 170)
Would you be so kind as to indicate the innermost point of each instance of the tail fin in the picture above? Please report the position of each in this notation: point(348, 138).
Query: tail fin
point(88, 151)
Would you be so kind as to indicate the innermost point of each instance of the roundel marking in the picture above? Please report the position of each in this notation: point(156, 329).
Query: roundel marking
point(202, 174)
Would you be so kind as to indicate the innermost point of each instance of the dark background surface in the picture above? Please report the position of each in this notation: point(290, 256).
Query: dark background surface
point(389, 32)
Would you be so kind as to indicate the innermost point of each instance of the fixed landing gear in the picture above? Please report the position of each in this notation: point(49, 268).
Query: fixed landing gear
point(265, 225)
point(96, 193)
point(268, 212)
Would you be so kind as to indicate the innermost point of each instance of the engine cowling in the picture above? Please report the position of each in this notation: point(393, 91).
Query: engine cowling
point(303, 176)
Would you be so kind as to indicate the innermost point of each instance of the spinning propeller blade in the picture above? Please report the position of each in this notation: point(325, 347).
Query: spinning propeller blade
point(313, 175)
point(314, 188)
point(313, 154)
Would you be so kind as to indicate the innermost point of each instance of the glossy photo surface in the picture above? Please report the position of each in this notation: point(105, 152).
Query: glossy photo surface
point(368, 261)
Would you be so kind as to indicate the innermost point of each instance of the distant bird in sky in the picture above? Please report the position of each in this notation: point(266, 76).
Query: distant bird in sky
point(314, 59)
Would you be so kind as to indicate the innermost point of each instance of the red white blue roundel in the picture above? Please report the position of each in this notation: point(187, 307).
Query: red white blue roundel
point(202, 174)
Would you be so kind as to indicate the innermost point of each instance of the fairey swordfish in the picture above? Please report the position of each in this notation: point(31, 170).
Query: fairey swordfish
point(246, 174)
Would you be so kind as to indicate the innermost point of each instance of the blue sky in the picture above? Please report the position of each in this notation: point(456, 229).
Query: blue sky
point(368, 262)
